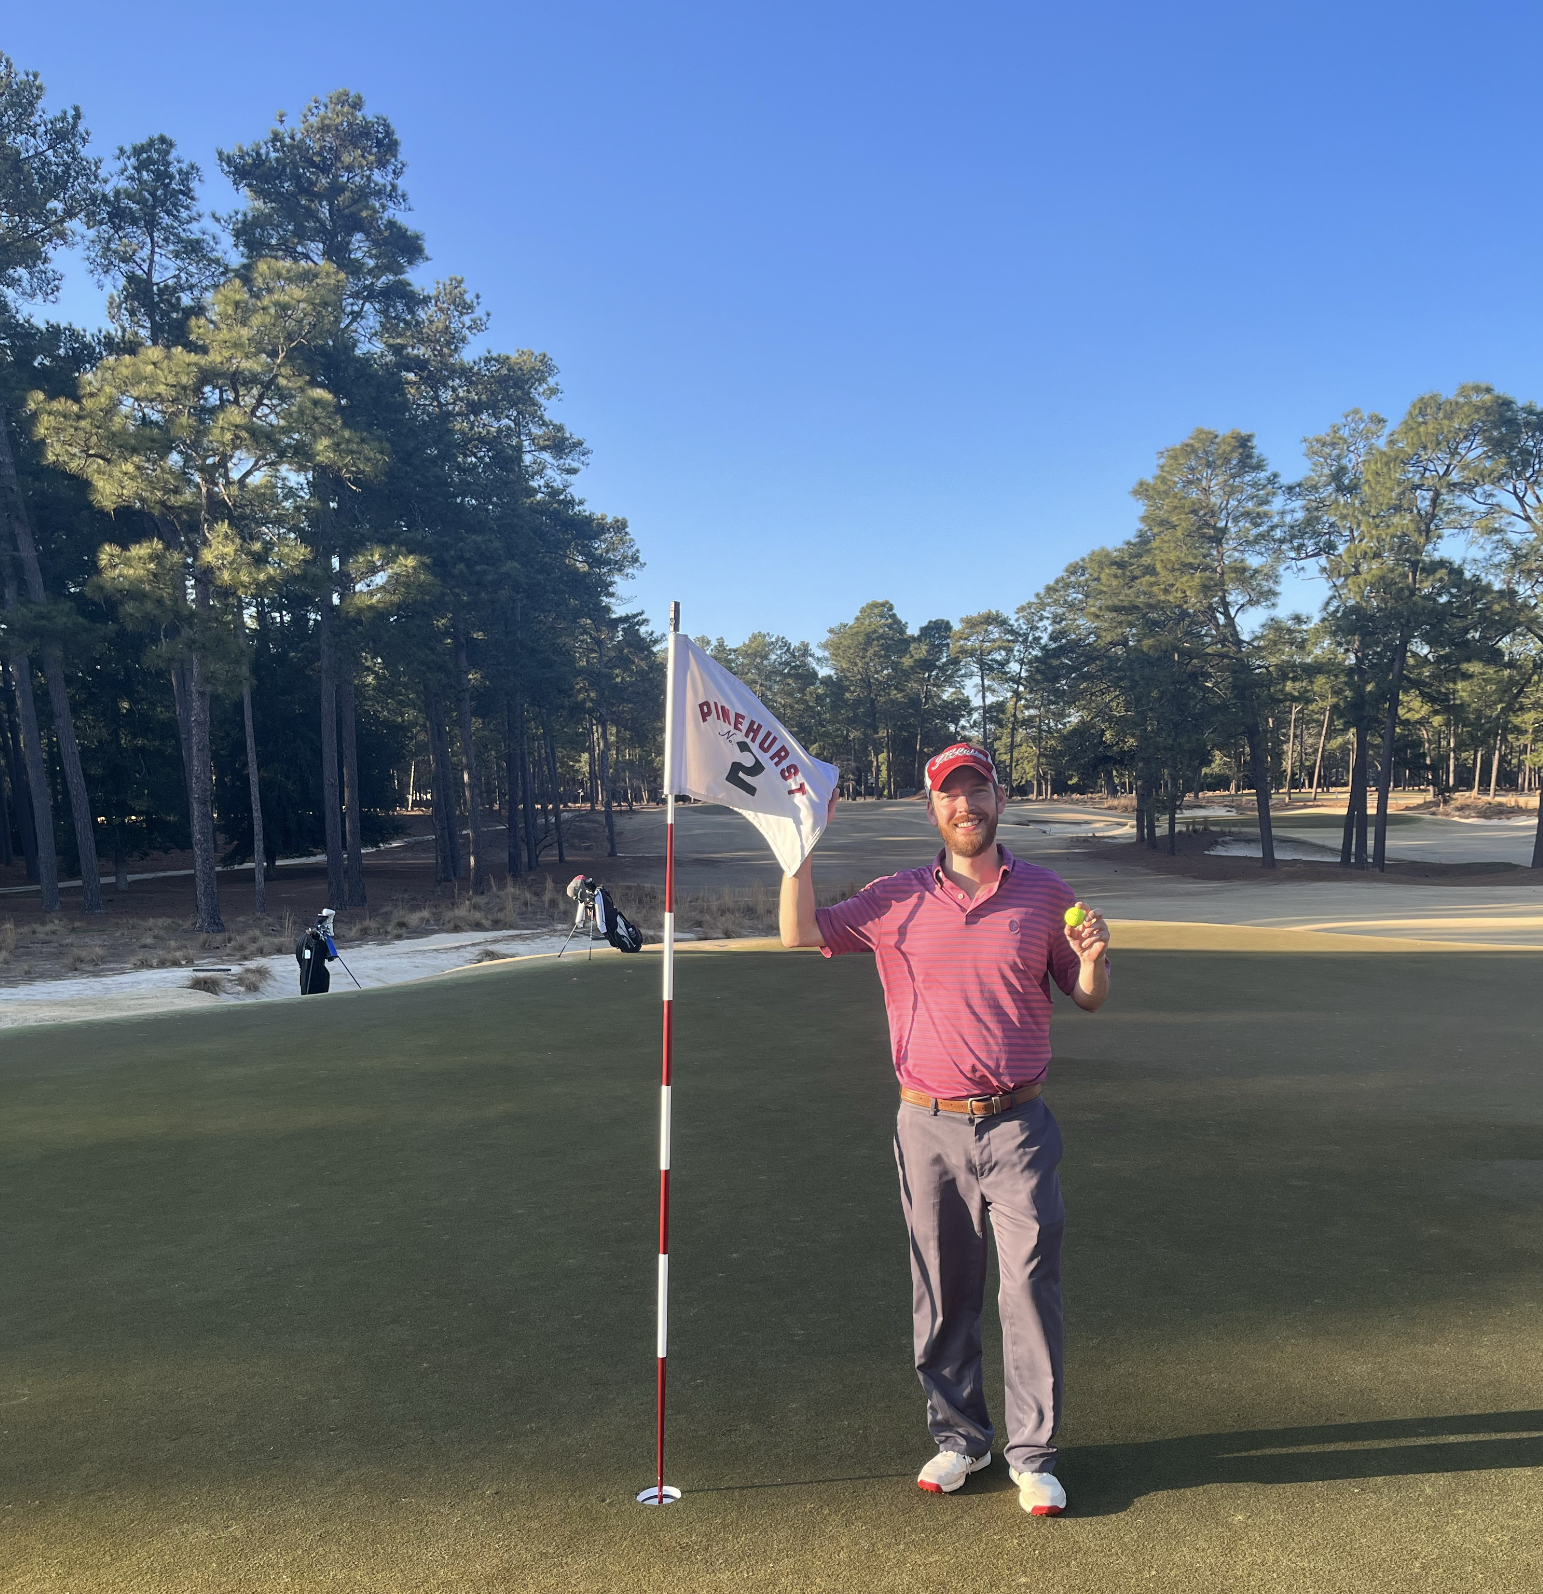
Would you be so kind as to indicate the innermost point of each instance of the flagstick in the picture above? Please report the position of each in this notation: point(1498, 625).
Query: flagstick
point(662, 1493)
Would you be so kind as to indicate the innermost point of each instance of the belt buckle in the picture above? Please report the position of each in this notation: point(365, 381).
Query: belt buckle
point(990, 1105)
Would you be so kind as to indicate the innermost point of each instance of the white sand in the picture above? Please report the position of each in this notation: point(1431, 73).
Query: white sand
point(1284, 848)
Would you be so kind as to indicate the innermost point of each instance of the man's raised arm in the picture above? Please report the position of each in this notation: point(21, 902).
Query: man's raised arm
point(795, 914)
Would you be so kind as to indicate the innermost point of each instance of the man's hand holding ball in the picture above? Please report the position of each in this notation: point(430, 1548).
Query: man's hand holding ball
point(1086, 932)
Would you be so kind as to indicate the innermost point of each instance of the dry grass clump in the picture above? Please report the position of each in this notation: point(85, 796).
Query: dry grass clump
point(521, 904)
point(1467, 806)
point(254, 977)
point(171, 955)
point(256, 942)
point(209, 984)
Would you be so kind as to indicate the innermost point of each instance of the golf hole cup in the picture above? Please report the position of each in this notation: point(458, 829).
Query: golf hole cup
point(1075, 916)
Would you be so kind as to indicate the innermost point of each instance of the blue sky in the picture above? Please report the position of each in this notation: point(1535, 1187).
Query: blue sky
point(858, 301)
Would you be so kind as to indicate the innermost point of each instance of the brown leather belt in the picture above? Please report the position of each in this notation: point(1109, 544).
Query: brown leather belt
point(975, 1106)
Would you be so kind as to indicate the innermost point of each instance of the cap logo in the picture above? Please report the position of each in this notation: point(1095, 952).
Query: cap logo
point(960, 756)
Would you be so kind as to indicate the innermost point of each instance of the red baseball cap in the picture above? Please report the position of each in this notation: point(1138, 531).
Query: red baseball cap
point(960, 756)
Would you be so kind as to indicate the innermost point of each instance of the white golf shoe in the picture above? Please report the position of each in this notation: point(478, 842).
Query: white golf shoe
point(947, 1471)
point(1039, 1493)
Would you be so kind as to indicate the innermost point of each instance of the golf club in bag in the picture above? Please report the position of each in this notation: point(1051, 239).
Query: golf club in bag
point(314, 951)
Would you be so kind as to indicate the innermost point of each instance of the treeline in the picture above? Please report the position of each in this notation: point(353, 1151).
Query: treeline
point(282, 548)
point(1160, 668)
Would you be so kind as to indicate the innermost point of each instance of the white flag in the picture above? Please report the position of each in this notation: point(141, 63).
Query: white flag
point(724, 747)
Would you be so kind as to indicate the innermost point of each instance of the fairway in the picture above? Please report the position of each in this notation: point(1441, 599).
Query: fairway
point(358, 1294)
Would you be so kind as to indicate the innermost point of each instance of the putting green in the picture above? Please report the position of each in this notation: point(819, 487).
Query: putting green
point(358, 1294)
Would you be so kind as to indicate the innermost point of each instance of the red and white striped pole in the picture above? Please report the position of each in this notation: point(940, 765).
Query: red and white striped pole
point(662, 1493)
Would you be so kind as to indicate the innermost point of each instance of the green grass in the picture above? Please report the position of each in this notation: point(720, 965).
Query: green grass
point(358, 1294)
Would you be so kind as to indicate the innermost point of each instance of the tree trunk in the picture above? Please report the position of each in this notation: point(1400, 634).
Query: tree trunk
point(206, 890)
point(605, 787)
point(37, 777)
point(604, 727)
point(1353, 850)
point(15, 768)
point(557, 796)
point(1323, 737)
point(331, 800)
point(444, 870)
point(528, 786)
point(181, 693)
point(543, 800)
point(254, 782)
point(480, 877)
point(446, 830)
point(1012, 736)
point(74, 779)
point(37, 782)
point(1260, 774)
point(353, 803)
point(1291, 752)
point(1494, 764)
point(53, 670)
point(7, 855)
point(120, 805)
point(513, 800)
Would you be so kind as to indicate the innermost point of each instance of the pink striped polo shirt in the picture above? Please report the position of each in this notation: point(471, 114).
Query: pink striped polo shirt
point(966, 982)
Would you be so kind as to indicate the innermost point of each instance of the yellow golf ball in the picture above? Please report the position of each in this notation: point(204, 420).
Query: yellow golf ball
point(1075, 916)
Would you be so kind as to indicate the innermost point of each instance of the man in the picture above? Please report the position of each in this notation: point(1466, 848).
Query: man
point(966, 950)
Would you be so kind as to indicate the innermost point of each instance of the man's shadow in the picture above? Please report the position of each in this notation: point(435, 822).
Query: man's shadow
point(1103, 1480)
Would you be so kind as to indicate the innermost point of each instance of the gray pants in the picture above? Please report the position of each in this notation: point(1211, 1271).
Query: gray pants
point(953, 1171)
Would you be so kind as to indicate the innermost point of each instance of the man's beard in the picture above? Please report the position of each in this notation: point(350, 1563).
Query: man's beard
point(975, 842)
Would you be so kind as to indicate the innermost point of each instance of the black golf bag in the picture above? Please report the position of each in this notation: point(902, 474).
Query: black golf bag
point(311, 952)
point(615, 926)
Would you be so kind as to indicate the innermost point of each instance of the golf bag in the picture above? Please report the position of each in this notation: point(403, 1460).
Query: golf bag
point(312, 952)
point(619, 930)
